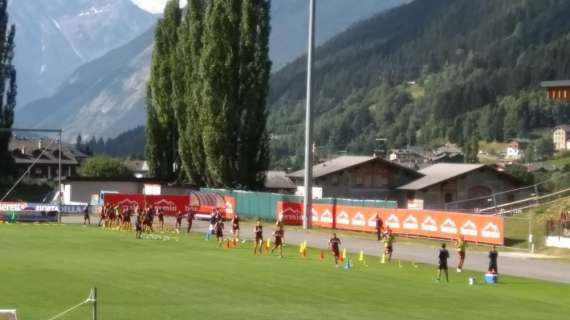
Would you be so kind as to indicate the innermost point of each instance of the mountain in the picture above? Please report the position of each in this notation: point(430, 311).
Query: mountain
point(54, 37)
point(290, 23)
point(102, 98)
point(426, 73)
point(106, 96)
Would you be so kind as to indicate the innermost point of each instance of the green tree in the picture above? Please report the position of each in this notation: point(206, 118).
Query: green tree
point(254, 71)
point(8, 89)
point(162, 134)
point(471, 150)
point(520, 172)
point(188, 92)
point(104, 167)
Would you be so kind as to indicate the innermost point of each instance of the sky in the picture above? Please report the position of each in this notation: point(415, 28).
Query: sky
point(154, 6)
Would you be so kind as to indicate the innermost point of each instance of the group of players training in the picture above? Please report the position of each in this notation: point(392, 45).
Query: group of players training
point(120, 218)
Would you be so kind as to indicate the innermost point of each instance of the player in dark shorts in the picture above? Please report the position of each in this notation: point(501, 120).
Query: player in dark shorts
point(278, 237)
point(442, 256)
point(235, 229)
point(258, 231)
point(86, 217)
point(178, 225)
point(138, 227)
point(219, 231)
point(379, 227)
point(460, 245)
point(388, 246)
point(493, 255)
point(334, 244)
point(189, 220)
point(103, 216)
point(161, 219)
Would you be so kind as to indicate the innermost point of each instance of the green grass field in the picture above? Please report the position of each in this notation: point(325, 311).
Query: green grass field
point(48, 268)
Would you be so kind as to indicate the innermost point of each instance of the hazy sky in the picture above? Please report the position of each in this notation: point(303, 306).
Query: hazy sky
point(154, 6)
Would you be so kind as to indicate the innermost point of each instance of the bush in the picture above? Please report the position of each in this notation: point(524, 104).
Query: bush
point(104, 167)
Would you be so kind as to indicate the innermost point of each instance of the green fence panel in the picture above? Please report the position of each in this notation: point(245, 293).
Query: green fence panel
point(252, 205)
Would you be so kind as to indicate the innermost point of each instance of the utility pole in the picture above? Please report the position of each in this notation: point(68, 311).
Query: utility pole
point(308, 185)
point(59, 180)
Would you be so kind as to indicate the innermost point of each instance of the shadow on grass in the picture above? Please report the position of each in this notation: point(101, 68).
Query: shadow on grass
point(512, 242)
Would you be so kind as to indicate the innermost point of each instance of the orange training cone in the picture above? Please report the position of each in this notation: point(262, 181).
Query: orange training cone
point(322, 255)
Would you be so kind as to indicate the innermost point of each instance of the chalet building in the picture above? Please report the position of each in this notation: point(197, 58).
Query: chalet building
point(561, 137)
point(515, 149)
point(138, 167)
point(359, 177)
point(279, 182)
point(444, 183)
point(45, 154)
point(557, 90)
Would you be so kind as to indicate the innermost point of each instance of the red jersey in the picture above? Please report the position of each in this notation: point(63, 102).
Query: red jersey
point(334, 243)
point(235, 222)
point(258, 232)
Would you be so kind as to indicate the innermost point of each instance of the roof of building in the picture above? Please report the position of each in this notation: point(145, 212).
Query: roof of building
point(345, 162)
point(440, 172)
point(27, 150)
point(554, 84)
point(278, 180)
point(565, 127)
point(118, 179)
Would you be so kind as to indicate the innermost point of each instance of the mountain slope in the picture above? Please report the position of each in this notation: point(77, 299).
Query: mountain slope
point(104, 96)
point(107, 108)
point(427, 72)
point(56, 36)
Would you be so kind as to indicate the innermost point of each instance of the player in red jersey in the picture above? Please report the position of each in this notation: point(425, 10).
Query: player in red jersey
point(178, 225)
point(189, 219)
point(258, 230)
point(161, 219)
point(103, 216)
point(235, 228)
point(219, 231)
point(334, 244)
point(278, 235)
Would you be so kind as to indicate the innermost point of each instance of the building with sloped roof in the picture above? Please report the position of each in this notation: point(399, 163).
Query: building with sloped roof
point(444, 183)
point(359, 177)
point(44, 155)
point(561, 137)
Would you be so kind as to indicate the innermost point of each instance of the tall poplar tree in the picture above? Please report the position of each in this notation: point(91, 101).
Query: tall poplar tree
point(255, 66)
point(8, 88)
point(219, 70)
point(188, 92)
point(161, 145)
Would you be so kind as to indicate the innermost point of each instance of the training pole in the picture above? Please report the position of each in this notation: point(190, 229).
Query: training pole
point(307, 203)
point(94, 304)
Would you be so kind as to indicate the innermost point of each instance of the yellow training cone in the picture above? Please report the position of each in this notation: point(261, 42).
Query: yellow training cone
point(361, 256)
point(344, 254)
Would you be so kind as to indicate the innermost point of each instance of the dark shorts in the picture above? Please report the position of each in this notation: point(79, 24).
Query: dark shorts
point(258, 238)
point(389, 249)
point(278, 241)
point(219, 234)
point(336, 252)
point(461, 254)
point(442, 266)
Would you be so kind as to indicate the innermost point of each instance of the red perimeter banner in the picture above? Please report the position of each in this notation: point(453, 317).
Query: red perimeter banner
point(170, 205)
point(434, 224)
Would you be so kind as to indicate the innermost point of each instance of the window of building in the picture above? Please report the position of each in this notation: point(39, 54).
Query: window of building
point(334, 179)
point(367, 180)
point(38, 171)
point(358, 180)
point(448, 197)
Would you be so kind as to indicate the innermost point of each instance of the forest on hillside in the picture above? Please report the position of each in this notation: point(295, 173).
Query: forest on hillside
point(426, 73)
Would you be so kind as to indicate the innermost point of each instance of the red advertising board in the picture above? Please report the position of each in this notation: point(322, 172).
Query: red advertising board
point(434, 224)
